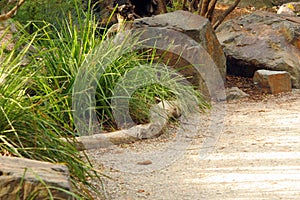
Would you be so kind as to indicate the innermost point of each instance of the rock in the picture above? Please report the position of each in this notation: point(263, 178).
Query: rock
point(235, 93)
point(280, 2)
point(20, 178)
point(146, 162)
point(198, 31)
point(262, 40)
point(273, 82)
point(289, 9)
point(285, 10)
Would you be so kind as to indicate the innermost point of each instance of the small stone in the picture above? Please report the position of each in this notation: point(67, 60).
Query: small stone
point(235, 93)
point(273, 82)
point(146, 162)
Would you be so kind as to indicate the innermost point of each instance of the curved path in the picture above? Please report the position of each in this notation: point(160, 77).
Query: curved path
point(257, 157)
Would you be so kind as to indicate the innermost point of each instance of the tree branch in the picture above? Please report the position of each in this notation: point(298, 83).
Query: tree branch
point(224, 15)
point(10, 13)
point(184, 4)
point(210, 12)
point(199, 7)
point(204, 7)
point(191, 6)
point(162, 6)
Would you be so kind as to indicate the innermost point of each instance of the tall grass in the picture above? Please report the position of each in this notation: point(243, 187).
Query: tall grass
point(35, 97)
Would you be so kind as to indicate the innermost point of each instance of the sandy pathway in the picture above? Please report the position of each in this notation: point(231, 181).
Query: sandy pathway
point(256, 157)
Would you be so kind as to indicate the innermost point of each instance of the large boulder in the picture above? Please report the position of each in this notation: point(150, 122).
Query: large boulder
point(262, 40)
point(190, 31)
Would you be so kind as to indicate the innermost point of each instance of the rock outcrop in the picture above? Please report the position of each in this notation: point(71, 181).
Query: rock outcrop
point(262, 40)
point(22, 178)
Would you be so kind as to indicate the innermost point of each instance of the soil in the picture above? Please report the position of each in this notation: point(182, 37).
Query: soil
point(246, 85)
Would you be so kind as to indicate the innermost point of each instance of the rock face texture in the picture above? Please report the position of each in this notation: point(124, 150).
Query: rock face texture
point(189, 32)
point(273, 82)
point(262, 40)
point(21, 179)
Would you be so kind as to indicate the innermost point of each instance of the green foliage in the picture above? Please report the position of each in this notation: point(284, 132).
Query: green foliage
point(35, 100)
point(176, 5)
point(45, 10)
point(144, 98)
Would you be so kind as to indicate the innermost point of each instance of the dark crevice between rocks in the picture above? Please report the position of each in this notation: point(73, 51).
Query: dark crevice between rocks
point(238, 67)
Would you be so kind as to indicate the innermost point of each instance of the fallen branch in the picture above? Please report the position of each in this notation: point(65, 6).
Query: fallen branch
point(10, 13)
point(161, 113)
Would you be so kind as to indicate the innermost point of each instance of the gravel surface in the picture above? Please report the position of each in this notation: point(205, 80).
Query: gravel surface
point(254, 153)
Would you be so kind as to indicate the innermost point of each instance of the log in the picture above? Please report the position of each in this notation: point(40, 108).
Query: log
point(22, 178)
point(160, 113)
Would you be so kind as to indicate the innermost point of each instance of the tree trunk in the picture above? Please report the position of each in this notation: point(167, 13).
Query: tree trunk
point(204, 7)
point(162, 6)
point(224, 15)
point(210, 12)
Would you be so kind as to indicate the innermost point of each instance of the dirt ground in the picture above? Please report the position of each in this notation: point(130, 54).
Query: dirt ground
point(245, 149)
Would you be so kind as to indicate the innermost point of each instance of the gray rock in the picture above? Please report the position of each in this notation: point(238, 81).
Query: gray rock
point(198, 32)
point(14, 171)
point(289, 9)
point(262, 40)
point(235, 93)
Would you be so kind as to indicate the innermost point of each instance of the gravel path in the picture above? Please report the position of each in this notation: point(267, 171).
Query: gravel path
point(256, 156)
